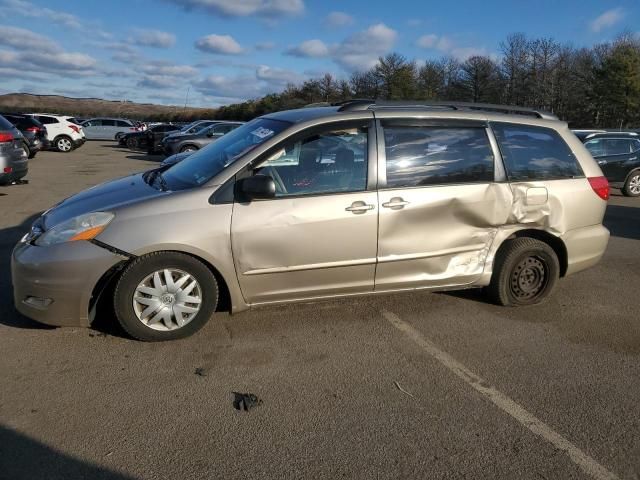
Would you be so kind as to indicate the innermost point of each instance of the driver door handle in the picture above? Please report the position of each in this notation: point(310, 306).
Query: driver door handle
point(396, 203)
point(359, 207)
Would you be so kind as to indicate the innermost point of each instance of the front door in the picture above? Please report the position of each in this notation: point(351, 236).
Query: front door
point(318, 236)
point(439, 204)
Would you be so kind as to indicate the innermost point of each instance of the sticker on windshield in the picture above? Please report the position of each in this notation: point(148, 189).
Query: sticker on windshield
point(262, 132)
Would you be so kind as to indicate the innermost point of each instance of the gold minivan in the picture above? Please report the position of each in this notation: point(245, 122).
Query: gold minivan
point(352, 199)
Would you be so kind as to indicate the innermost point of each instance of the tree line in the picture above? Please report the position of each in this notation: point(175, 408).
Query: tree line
point(597, 87)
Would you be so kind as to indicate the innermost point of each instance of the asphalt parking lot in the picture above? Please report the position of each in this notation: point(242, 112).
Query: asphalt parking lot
point(419, 385)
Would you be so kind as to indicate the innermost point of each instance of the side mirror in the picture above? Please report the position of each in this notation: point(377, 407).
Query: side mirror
point(257, 187)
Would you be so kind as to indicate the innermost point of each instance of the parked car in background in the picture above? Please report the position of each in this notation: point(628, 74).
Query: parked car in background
point(173, 159)
point(34, 133)
point(326, 202)
point(62, 134)
point(618, 154)
point(148, 139)
point(189, 142)
point(107, 128)
point(14, 162)
point(76, 120)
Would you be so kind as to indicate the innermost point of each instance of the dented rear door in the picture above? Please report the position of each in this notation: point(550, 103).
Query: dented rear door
point(441, 202)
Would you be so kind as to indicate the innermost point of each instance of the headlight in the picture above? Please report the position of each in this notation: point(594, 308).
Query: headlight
point(82, 227)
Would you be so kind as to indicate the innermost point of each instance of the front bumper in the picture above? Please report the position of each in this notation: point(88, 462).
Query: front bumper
point(53, 285)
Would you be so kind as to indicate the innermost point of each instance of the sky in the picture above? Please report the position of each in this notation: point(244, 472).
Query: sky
point(213, 52)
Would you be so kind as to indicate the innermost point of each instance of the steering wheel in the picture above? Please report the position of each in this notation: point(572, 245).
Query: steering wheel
point(273, 173)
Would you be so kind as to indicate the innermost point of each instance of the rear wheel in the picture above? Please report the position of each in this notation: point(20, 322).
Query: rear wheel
point(63, 144)
point(132, 143)
point(525, 272)
point(165, 296)
point(632, 185)
point(26, 150)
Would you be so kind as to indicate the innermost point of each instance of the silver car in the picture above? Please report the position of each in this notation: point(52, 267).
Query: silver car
point(106, 128)
point(14, 162)
point(356, 199)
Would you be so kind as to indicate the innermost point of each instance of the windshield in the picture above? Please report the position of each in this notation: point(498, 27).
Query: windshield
point(200, 167)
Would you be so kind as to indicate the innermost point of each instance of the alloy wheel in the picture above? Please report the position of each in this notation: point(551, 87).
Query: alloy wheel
point(634, 184)
point(64, 145)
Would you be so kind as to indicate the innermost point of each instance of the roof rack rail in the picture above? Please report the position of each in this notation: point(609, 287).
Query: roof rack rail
point(362, 104)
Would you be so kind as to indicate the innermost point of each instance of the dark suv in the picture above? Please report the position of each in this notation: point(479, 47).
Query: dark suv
point(618, 154)
point(189, 142)
point(34, 133)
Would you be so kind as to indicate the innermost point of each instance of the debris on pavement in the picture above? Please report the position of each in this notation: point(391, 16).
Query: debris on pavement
point(245, 401)
point(403, 390)
point(200, 372)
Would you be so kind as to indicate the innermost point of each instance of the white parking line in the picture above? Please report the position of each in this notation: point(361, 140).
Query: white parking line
point(500, 400)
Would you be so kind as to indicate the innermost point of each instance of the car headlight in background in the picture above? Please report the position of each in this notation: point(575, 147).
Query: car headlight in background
point(82, 227)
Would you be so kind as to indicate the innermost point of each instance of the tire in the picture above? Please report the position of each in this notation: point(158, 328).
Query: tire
point(188, 148)
point(132, 143)
point(63, 144)
point(632, 185)
point(525, 272)
point(161, 323)
point(27, 151)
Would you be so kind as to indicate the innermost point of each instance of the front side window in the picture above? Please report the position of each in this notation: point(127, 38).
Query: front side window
point(201, 166)
point(324, 161)
point(92, 123)
point(535, 153)
point(422, 156)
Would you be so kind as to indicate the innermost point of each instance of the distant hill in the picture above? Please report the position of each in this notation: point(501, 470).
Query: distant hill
point(91, 107)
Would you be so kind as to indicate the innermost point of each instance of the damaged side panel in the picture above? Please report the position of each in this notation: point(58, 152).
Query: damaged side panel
point(449, 235)
point(441, 237)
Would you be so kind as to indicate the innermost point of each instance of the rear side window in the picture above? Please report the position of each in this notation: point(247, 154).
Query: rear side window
point(535, 153)
point(421, 156)
point(47, 120)
point(108, 123)
point(122, 123)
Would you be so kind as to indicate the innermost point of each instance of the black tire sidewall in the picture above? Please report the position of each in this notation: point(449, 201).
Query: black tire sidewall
point(143, 266)
point(514, 252)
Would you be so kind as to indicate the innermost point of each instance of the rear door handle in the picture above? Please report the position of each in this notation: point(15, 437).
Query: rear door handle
point(359, 207)
point(396, 203)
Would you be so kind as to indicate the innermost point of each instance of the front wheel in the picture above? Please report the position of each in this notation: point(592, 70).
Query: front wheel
point(165, 296)
point(524, 272)
point(64, 144)
point(188, 148)
point(632, 185)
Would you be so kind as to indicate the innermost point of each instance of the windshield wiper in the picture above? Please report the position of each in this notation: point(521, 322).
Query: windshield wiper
point(151, 177)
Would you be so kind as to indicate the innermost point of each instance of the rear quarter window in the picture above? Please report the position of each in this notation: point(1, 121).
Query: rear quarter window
point(535, 153)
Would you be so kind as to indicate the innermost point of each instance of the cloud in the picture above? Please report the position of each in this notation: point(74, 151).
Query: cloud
point(361, 50)
point(244, 8)
point(158, 81)
point(27, 9)
point(21, 39)
point(264, 80)
point(220, 44)
point(154, 38)
point(414, 22)
point(607, 19)
point(309, 49)
point(447, 46)
point(428, 41)
point(277, 77)
point(339, 19)
point(263, 46)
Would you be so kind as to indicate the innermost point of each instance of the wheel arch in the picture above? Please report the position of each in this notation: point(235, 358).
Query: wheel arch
point(102, 293)
point(550, 239)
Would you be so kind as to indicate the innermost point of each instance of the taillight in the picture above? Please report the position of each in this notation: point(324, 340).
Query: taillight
point(8, 169)
point(600, 185)
point(6, 137)
point(133, 129)
point(75, 128)
point(33, 129)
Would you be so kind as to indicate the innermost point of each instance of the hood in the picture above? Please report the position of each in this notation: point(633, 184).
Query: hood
point(104, 197)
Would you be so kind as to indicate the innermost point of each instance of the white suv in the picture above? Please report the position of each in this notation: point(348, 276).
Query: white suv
point(62, 134)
